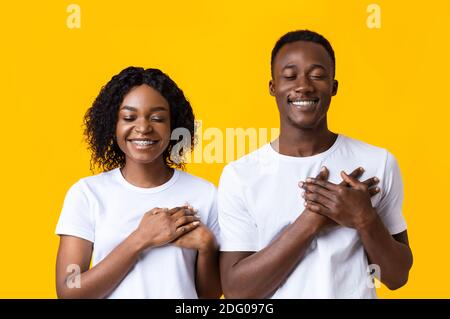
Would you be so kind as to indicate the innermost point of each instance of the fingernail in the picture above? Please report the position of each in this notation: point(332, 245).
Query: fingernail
point(377, 189)
point(303, 194)
point(300, 184)
point(305, 203)
point(196, 223)
point(376, 180)
point(198, 216)
point(309, 180)
point(323, 169)
point(361, 169)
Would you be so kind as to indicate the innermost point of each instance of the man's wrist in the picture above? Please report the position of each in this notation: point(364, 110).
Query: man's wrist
point(312, 222)
point(370, 218)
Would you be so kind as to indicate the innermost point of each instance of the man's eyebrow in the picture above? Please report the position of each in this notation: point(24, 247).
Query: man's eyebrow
point(311, 67)
point(320, 66)
point(289, 66)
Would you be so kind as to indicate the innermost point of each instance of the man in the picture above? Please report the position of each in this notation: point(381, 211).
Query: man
point(287, 235)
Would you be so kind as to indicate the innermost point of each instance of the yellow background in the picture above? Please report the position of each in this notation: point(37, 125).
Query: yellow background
point(393, 91)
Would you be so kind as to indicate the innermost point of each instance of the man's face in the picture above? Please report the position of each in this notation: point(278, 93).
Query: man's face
point(303, 84)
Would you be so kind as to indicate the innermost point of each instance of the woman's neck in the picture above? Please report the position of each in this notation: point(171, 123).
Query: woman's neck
point(147, 175)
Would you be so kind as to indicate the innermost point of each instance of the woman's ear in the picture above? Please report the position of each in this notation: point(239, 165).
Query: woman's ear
point(271, 88)
point(335, 87)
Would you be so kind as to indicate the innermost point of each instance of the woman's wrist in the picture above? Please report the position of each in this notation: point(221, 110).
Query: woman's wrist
point(209, 246)
point(137, 242)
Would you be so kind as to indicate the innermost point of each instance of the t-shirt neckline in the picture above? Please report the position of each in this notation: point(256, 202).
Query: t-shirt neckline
point(148, 190)
point(303, 159)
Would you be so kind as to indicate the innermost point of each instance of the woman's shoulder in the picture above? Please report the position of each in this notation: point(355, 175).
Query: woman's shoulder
point(98, 178)
point(89, 183)
point(196, 182)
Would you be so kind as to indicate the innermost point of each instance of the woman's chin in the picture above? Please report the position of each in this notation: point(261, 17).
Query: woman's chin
point(144, 160)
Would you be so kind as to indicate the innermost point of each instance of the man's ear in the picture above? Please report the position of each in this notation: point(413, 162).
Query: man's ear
point(335, 87)
point(271, 88)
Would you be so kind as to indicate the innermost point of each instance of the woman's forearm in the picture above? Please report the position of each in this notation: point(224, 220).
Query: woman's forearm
point(207, 273)
point(100, 280)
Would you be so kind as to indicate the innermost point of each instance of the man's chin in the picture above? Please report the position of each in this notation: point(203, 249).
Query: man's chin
point(302, 124)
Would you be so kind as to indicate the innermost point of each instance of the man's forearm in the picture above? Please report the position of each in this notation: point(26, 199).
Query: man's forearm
point(260, 274)
point(393, 258)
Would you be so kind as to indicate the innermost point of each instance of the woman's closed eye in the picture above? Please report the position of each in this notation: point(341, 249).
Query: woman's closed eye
point(157, 119)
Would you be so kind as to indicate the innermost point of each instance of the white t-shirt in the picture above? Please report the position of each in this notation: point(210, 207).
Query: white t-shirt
point(105, 209)
point(259, 197)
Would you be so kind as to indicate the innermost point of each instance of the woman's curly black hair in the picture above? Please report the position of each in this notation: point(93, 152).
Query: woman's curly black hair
point(100, 119)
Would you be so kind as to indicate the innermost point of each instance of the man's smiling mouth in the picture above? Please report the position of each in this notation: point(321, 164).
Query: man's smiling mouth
point(303, 102)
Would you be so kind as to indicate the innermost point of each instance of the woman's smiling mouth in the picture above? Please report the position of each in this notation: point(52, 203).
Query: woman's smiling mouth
point(143, 143)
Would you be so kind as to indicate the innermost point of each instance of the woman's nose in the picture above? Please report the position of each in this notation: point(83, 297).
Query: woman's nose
point(143, 126)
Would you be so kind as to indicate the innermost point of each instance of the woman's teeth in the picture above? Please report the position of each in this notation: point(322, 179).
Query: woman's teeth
point(143, 143)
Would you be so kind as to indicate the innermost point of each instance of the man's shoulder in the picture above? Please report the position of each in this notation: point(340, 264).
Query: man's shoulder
point(249, 163)
point(361, 148)
point(366, 155)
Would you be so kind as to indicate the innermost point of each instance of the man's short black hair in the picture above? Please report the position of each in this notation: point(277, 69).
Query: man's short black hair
point(302, 35)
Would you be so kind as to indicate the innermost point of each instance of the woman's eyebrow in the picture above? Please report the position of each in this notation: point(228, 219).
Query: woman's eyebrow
point(130, 108)
point(152, 109)
point(159, 108)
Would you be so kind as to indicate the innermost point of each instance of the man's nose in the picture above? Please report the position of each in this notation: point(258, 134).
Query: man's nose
point(303, 85)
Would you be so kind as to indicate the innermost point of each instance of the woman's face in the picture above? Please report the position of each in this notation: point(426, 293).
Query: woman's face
point(143, 125)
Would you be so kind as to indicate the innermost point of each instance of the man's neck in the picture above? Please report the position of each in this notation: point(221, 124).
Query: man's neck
point(301, 143)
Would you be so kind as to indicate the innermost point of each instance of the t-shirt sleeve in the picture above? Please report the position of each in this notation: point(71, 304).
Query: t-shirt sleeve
point(390, 205)
point(238, 230)
point(76, 216)
point(212, 221)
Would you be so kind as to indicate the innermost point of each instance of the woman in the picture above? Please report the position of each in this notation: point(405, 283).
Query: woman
point(133, 219)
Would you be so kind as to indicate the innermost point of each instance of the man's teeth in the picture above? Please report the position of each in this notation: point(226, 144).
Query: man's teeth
point(303, 103)
point(143, 143)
